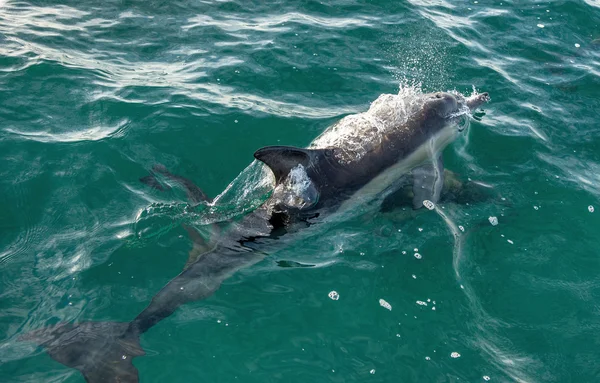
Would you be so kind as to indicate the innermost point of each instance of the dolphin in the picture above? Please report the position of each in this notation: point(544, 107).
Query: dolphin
point(360, 158)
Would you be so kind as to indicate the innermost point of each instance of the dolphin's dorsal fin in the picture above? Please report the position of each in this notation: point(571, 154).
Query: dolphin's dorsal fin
point(282, 159)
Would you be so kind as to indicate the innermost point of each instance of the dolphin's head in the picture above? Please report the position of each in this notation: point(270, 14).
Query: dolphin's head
point(447, 113)
point(449, 109)
point(448, 105)
point(442, 104)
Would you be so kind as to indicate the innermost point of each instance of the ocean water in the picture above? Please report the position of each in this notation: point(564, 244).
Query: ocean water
point(93, 94)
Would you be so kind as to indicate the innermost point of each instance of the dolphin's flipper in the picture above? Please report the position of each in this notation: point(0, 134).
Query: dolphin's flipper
point(282, 159)
point(194, 193)
point(465, 193)
point(101, 351)
point(200, 245)
point(454, 191)
point(428, 182)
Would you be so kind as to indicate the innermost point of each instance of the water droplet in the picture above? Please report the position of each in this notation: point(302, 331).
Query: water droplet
point(461, 228)
point(124, 357)
point(416, 249)
point(236, 121)
point(372, 371)
point(455, 355)
point(385, 305)
point(536, 207)
point(428, 204)
point(420, 229)
point(591, 209)
point(540, 25)
point(427, 358)
point(418, 256)
point(577, 45)
point(509, 241)
point(403, 252)
point(493, 220)
point(414, 276)
point(421, 303)
point(334, 295)
point(486, 378)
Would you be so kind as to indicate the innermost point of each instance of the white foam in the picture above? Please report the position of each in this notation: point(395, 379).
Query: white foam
point(356, 134)
point(298, 189)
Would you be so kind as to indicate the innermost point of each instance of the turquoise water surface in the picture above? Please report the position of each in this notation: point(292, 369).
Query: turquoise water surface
point(93, 94)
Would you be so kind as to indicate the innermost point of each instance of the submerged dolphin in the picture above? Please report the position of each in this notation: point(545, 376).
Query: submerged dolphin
point(360, 158)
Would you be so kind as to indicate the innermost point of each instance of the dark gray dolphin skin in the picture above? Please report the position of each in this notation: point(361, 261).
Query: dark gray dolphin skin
point(360, 158)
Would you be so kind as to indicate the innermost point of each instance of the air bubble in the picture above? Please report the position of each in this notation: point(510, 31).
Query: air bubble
point(591, 209)
point(493, 220)
point(418, 256)
point(455, 355)
point(385, 305)
point(334, 295)
point(428, 204)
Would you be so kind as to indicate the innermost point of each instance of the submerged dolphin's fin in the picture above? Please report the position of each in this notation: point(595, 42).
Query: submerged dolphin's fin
point(194, 193)
point(428, 181)
point(101, 351)
point(282, 159)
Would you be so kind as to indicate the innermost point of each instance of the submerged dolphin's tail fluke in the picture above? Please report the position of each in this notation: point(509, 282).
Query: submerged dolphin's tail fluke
point(101, 351)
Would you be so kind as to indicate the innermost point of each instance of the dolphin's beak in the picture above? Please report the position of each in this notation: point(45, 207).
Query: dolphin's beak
point(477, 100)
